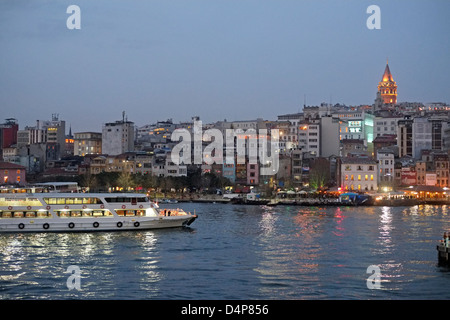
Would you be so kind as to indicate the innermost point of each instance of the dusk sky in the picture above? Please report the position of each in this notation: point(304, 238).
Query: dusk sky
point(216, 59)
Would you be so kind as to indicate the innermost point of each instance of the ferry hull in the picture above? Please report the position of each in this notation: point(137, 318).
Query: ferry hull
point(90, 225)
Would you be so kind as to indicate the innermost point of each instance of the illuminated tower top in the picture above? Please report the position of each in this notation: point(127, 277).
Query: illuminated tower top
point(388, 87)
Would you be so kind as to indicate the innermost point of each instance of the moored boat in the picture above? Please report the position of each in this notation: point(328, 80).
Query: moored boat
point(66, 212)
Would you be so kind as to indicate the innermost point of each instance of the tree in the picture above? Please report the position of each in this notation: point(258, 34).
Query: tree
point(88, 181)
point(125, 180)
point(319, 173)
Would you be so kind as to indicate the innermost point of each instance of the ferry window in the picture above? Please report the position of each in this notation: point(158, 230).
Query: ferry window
point(5, 214)
point(87, 213)
point(97, 213)
point(63, 213)
point(92, 201)
point(18, 214)
point(120, 212)
point(30, 214)
point(107, 213)
point(42, 214)
point(50, 200)
point(78, 201)
point(75, 214)
point(60, 201)
point(69, 201)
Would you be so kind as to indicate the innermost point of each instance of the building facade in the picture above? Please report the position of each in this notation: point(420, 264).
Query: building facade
point(118, 137)
point(358, 174)
point(87, 143)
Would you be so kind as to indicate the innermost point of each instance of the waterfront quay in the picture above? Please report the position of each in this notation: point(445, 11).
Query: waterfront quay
point(375, 200)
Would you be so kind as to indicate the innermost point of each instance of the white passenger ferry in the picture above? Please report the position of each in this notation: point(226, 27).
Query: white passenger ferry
point(63, 212)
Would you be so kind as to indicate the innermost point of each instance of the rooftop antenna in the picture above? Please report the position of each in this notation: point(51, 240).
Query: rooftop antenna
point(123, 116)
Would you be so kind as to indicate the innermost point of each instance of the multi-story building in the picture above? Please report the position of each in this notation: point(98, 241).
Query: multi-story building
point(297, 166)
point(309, 136)
point(229, 171)
point(118, 137)
point(421, 136)
point(357, 124)
point(441, 164)
point(351, 147)
point(421, 171)
point(87, 143)
point(329, 136)
point(386, 172)
point(385, 126)
point(8, 134)
point(358, 174)
point(405, 137)
point(55, 130)
point(252, 174)
point(163, 166)
point(438, 128)
point(11, 173)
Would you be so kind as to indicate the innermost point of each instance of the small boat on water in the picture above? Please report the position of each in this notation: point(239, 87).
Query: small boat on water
point(355, 199)
point(67, 212)
point(251, 198)
point(169, 201)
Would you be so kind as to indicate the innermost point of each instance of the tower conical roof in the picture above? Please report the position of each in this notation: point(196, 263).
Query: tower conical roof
point(387, 76)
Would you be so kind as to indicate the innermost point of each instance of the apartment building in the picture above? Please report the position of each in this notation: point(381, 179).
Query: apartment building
point(358, 174)
point(87, 143)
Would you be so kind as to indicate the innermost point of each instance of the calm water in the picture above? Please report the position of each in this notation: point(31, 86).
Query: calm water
point(240, 252)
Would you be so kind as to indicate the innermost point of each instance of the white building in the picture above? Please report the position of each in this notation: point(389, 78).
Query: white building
point(385, 126)
point(309, 136)
point(118, 137)
point(164, 167)
point(329, 136)
point(359, 174)
point(386, 166)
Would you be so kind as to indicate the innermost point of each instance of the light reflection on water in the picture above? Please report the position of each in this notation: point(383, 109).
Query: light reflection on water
point(239, 252)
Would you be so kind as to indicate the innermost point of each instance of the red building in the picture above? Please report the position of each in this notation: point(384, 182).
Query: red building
point(8, 134)
point(11, 173)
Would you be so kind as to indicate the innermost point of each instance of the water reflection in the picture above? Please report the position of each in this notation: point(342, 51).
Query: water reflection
point(239, 252)
point(39, 263)
point(291, 251)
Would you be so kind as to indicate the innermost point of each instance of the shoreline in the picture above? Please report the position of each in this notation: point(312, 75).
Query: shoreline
point(299, 202)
